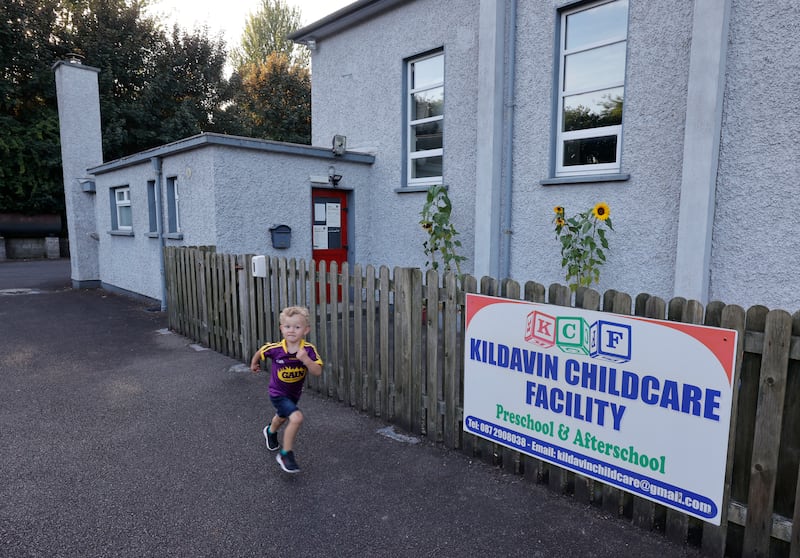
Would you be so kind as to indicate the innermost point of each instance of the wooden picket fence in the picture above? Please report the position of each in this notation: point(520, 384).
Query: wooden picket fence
point(393, 348)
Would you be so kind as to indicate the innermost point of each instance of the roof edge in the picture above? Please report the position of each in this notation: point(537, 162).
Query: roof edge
point(348, 16)
point(223, 140)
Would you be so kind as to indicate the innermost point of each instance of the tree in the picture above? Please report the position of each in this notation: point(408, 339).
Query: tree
point(30, 154)
point(272, 100)
point(154, 88)
point(271, 84)
point(265, 33)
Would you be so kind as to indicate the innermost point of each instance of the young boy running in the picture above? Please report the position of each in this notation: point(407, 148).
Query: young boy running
point(292, 358)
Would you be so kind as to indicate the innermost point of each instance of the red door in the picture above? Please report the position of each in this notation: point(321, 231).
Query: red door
point(329, 235)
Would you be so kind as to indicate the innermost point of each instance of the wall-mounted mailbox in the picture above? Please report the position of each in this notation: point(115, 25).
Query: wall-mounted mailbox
point(281, 236)
point(259, 265)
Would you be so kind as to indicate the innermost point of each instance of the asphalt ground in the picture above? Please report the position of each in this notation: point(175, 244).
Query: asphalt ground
point(119, 438)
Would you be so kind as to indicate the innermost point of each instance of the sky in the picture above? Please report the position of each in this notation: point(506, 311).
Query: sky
point(228, 16)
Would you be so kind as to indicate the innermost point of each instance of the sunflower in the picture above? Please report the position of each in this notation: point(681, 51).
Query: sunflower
point(601, 211)
point(560, 222)
point(558, 210)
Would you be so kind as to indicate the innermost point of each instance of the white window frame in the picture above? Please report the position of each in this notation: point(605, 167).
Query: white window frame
point(173, 203)
point(411, 155)
point(561, 136)
point(125, 201)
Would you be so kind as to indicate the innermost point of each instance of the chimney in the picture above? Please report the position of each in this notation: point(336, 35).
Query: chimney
point(81, 148)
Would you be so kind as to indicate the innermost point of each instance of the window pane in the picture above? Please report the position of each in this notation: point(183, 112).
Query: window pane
point(427, 103)
point(598, 24)
point(593, 110)
point(594, 68)
point(426, 167)
point(590, 151)
point(427, 136)
point(124, 213)
point(429, 71)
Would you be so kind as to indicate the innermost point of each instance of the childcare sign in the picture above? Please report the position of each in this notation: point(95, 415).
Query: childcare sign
point(640, 404)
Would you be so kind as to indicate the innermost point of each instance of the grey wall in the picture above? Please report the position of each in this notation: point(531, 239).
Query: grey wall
point(755, 253)
point(229, 197)
point(357, 90)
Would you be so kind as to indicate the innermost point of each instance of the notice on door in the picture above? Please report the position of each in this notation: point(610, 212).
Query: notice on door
point(320, 237)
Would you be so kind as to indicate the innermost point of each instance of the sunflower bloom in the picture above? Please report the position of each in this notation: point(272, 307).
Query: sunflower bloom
point(558, 210)
point(601, 211)
point(560, 222)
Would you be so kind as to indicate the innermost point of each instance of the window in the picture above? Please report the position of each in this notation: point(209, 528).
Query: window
point(121, 209)
point(152, 207)
point(425, 110)
point(173, 216)
point(592, 53)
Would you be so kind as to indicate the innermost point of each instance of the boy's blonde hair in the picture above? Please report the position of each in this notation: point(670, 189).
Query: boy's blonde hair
point(291, 311)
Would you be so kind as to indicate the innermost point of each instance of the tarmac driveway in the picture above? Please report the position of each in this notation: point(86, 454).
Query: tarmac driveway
point(121, 439)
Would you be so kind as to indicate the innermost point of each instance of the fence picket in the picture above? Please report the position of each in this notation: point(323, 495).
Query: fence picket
point(372, 372)
point(347, 368)
point(431, 369)
point(356, 357)
point(452, 364)
point(584, 486)
point(613, 498)
point(730, 317)
point(384, 356)
point(771, 397)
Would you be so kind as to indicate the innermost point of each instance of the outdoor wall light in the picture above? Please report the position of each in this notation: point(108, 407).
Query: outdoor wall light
point(339, 145)
point(333, 178)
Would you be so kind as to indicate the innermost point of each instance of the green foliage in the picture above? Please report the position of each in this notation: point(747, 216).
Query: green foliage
point(272, 100)
point(441, 242)
point(155, 87)
point(265, 33)
point(583, 243)
point(30, 153)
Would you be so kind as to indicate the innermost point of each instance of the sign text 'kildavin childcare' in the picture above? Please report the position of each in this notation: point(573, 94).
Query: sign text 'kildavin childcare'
point(640, 404)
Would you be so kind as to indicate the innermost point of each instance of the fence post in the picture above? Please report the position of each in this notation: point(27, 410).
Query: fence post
point(245, 330)
point(714, 537)
point(431, 369)
point(771, 397)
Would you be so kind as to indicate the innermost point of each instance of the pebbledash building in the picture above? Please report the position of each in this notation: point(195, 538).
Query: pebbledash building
point(681, 115)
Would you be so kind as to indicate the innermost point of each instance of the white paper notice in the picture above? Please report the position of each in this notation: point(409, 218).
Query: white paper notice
point(319, 213)
point(333, 214)
point(320, 241)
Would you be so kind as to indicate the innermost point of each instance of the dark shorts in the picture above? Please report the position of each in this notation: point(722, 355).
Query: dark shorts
point(284, 406)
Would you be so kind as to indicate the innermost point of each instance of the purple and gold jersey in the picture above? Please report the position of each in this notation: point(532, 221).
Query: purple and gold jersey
point(288, 373)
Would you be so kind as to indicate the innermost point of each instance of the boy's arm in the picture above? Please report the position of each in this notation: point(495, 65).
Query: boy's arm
point(255, 362)
point(314, 366)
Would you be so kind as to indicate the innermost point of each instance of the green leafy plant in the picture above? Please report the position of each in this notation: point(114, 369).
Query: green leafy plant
point(442, 243)
point(583, 243)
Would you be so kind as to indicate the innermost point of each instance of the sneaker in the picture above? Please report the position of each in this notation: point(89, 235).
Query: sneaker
point(287, 462)
point(272, 439)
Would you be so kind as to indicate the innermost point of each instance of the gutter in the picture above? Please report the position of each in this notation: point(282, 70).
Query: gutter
point(156, 162)
point(508, 140)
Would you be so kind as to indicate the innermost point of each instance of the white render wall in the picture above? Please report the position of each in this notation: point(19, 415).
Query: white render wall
point(229, 197)
point(755, 253)
point(357, 91)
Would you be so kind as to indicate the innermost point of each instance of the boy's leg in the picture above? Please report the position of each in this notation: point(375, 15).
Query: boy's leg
point(276, 423)
point(295, 420)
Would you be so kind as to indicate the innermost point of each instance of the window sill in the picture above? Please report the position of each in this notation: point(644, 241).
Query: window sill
point(174, 236)
point(152, 235)
point(412, 190)
point(120, 233)
point(585, 179)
